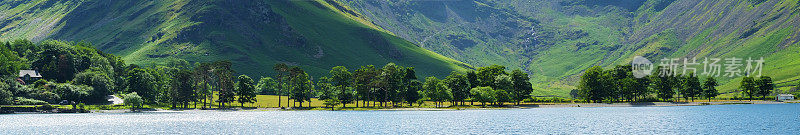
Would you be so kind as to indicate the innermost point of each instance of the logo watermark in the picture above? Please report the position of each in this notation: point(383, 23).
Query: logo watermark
point(710, 67)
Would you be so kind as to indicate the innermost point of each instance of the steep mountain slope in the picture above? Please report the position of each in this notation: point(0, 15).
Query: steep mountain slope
point(555, 40)
point(254, 35)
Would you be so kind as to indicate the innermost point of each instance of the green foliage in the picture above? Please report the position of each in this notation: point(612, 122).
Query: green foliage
point(486, 75)
point(341, 79)
point(28, 101)
point(181, 91)
point(267, 85)
point(522, 86)
point(483, 95)
point(458, 85)
point(331, 102)
point(5, 95)
point(663, 84)
point(101, 82)
point(10, 63)
point(709, 88)
point(245, 90)
point(591, 84)
point(765, 86)
point(691, 87)
point(75, 93)
point(412, 92)
point(501, 96)
point(749, 87)
point(133, 100)
point(301, 85)
point(326, 90)
point(143, 83)
point(436, 90)
point(364, 79)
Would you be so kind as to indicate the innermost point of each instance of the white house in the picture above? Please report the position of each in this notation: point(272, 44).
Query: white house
point(29, 76)
point(783, 97)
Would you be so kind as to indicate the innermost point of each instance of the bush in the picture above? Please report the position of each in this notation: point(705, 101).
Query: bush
point(71, 92)
point(46, 96)
point(46, 107)
point(5, 95)
point(133, 100)
point(101, 83)
point(81, 106)
point(27, 101)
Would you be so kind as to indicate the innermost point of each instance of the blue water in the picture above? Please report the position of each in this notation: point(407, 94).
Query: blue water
point(716, 119)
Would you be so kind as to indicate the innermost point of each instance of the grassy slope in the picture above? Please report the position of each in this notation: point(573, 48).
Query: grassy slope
point(657, 29)
point(252, 34)
point(721, 33)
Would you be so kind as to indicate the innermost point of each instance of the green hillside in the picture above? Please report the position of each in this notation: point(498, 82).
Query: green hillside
point(254, 35)
point(555, 40)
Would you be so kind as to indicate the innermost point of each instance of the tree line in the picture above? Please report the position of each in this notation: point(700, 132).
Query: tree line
point(618, 84)
point(393, 85)
point(77, 72)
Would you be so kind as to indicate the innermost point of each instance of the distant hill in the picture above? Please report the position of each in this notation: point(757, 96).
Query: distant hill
point(253, 34)
point(555, 40)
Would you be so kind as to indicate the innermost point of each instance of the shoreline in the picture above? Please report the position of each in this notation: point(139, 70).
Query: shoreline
point(532, 106)
point(456, 108)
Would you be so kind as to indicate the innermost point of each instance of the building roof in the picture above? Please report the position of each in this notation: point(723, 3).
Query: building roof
point(785, 95)
point(31, 73)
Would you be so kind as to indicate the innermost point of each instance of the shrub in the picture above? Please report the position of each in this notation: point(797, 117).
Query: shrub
point(133, 100)
point(81, 106)
point(27, 101)
point(5, 95)
point(46, 107)
point(46, 96)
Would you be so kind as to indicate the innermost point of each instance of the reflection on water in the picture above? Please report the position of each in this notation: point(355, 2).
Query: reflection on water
point(717, 119)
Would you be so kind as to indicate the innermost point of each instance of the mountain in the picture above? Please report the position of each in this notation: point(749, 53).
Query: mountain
point(253, 34)
point(555, 40)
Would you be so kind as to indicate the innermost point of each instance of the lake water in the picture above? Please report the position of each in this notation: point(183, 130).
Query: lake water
point(716, 119)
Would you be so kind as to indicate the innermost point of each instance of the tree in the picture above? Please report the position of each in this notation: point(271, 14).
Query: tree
point(691, 87)
point(341, 79)
point(483, 95)
point(133, 100)
point(225, 86)
point(412, 92)
point(709, 88)
point(10, 63)
point(101, 83)
point(281, 69)
point(392, 76)
point(301, 85)
point(267, 86)
point(181, 90)
point(245, 90)
point(591, 85)
point(522, 86)
point(765, 86)
point(143, 84)
point(459, 86)
point(5, 95)
point(501, 96)
point(436, 90)
point(748, 87)
point(77, 93)
point(486, 75)
point(56, 61)
point(325, 89)
point(363, 79)
point(641, 87)
point(663, 85)
point(331, 102)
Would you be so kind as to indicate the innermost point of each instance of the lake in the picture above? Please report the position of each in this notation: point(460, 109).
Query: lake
point(714, 119)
